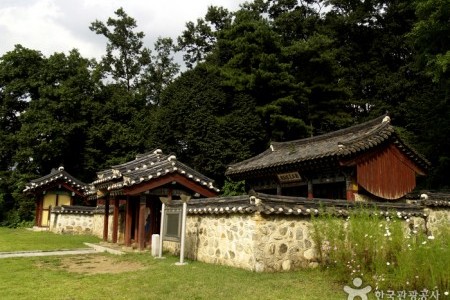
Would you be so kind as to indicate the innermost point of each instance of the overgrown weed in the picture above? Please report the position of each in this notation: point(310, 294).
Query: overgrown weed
point(385, 249)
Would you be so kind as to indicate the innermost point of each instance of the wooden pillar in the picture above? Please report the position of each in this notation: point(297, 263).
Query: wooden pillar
point(351, 188)
point(37, 221)
point(310, 190)
point(136, 221)
point(105, 220)
point(128, 222)
point(279, 191)
point(115, 220)
point(141, 227)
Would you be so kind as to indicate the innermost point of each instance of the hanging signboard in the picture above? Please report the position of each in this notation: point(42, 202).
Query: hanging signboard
point(289, 177)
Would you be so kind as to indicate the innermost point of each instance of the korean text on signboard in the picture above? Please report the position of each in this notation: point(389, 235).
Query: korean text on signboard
point(289, 177)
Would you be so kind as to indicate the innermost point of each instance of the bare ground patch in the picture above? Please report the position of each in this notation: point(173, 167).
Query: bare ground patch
point(93, 264)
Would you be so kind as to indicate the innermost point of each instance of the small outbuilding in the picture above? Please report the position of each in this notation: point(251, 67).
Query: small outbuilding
point(55, 189)
point(366, 161)
point(138, 186)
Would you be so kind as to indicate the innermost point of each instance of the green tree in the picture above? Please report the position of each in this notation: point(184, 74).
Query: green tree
point(160, 72)
point(373, 54)
point(54, 126)
point(430, 36)
point(118, 130)
point(206, 124)
point(19, 84)
point(198, 40)
point(249, 55)
point(16, 208)
point(427, 111)
point(126, 58)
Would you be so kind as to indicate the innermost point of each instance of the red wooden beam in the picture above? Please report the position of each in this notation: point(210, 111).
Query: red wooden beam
point(39, 206)
point(141, 228)
point(136, 222)
point(310, 190)
point(389, 174)
point(105, 220)
point(376, 152)
point(115, 220)
point(174, 177)
point(128, 222)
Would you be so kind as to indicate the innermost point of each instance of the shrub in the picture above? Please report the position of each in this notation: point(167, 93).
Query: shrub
point(380, 248)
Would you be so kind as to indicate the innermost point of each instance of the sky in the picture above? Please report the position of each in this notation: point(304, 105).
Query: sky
point(51, 26)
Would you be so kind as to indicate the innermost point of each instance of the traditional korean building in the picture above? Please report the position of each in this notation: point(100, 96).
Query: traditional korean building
point(138, 186)
point(55, 189)
point(366, 161)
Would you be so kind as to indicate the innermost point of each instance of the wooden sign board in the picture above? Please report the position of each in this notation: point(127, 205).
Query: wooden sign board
point(172, 226)
point(289, 177)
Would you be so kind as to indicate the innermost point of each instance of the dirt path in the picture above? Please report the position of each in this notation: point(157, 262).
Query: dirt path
point(93, 248)
point(47, 253)
point(93, 264)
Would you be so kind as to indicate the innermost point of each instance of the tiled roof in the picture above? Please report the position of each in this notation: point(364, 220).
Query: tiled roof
point(82, 210)
point(295, 206)
point(59, 175)
point(429, 198)
point(146, 167)
point(345, 143)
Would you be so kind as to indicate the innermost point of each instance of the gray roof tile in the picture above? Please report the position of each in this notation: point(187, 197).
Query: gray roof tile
point(55, 176)
point(343, 143)
point(146, 167)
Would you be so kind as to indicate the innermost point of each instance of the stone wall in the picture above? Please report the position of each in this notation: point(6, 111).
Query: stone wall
point(222, 239)
point(79, 220)
point(98, 221)
point(219, 239)
point(436, 219)
point(271, 242)
point(259, 235)
point(72, 223)
point(283, 243)
point(248, 241)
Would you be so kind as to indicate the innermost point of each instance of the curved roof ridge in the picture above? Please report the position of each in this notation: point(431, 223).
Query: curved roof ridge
point(275, 146)
point(350, 141)
point(356, 127)
point(405, 148)
point(55, 175)
point(251, 158)
point(383, 125)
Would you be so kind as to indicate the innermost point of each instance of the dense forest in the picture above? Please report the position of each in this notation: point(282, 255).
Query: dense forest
point(274, 70)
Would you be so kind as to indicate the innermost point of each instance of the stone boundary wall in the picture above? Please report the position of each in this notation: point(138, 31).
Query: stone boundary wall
point(437, 218)
point(219, 239)
point(270, 242)
point(80, 220)
point(252, 234)
point(249, 241)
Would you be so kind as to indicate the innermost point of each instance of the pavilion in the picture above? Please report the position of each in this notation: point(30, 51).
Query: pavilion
point(368, 161)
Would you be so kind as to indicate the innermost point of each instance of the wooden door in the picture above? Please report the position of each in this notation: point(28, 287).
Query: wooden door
point(51, 200)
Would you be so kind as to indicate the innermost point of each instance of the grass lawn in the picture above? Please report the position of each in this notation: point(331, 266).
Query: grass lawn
point(54, 278)
point(140, 276)
point(24, 240)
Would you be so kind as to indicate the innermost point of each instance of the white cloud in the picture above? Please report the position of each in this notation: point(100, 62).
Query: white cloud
point(58, 26)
